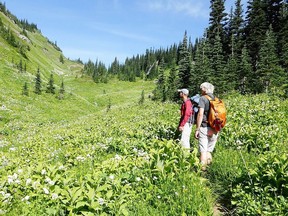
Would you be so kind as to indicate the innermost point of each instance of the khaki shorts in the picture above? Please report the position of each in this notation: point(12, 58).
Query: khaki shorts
point(207, 139)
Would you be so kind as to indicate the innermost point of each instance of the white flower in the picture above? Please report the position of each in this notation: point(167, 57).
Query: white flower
point(26, 198)
point(176, 193)
point(43, 172)
point(34, 184)
point(17, 181)
point(111, 177)
point(15, 176)
point(7, 195)
point(46, 191)
point(20, 171)
point(10, 179)
point(54, 196)
point(101, 201)
point(51, 182)
point(138, 179)
point(28, 181)
point(117, 157)
point(47, 179)
point(80, 158)
point(2, 192)
point(159, 197)
point(155, 178)
point(61, 167)
point(12, 149)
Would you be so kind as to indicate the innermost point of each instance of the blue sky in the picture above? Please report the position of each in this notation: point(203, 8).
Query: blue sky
point(105, 29)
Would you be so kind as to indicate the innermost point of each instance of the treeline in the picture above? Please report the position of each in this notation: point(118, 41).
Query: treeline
point(24, 24)
point(245, 51)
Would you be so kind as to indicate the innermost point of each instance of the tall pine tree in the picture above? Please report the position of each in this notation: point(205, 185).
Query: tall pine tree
point(269, 73)
point(38, 83)
point(184, 64)
point(50, 86)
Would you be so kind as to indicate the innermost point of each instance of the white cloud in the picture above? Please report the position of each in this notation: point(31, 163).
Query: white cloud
point(193, 8)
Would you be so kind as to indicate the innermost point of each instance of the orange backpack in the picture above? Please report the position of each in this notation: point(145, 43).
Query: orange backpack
point(216, 114)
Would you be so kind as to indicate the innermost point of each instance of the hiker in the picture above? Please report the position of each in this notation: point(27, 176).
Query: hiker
point(185, 125)
point(207, 136)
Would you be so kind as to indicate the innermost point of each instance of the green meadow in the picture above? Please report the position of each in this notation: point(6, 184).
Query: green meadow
point(108, 149)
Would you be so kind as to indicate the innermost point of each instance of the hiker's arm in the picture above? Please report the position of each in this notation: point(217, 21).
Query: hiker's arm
point(199, 121)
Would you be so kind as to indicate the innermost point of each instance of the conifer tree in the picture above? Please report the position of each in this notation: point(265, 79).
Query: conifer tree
point(61, 58)
point(203, 68)
point(256, 27)
point(236, 31)
point(142, 98)
point(25, 90)
point(38, 83)
point(268, 72)
point(50, 85)
point(61, 91)
point(184, 64)
point(160, 90)
point(245, 73)
point(172, 83)
point(217, 21)
point(218, 77)
point(282, 46)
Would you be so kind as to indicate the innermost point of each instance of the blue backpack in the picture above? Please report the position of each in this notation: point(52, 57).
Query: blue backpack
point(195, 102)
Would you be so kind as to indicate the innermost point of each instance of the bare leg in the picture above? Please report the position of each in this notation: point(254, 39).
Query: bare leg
point(209, 158)
point(203, 159)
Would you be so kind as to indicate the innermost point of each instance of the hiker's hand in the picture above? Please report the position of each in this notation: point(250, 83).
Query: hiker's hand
point(196, 134)
point(181, 128)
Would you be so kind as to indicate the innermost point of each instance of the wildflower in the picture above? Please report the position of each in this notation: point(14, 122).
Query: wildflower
point(26, 198)
point(138, 179)
point(46, 191)
point(17, 181)
point(12, 149)
point(117, 157)
point(80, 158)
point(34, 184)
point(43, 172)
point(61, 167)
point(28, 181)
point(54, 196)
point(176, 193)
point(159, 197)
point(47, 179)
point(111, 177)
point(20, 171)
point(10, 179)
point(7, 195)
point(101, 201)
point(155, 178)
point(51, 182)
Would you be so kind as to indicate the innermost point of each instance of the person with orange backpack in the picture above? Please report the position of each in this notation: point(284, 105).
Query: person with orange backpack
point(211, 119)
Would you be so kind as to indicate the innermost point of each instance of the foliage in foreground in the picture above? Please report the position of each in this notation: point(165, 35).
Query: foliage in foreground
point(115, 163)
point(251, 174)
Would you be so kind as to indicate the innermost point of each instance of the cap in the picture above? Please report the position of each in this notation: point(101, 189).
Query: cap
point(184, 91)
